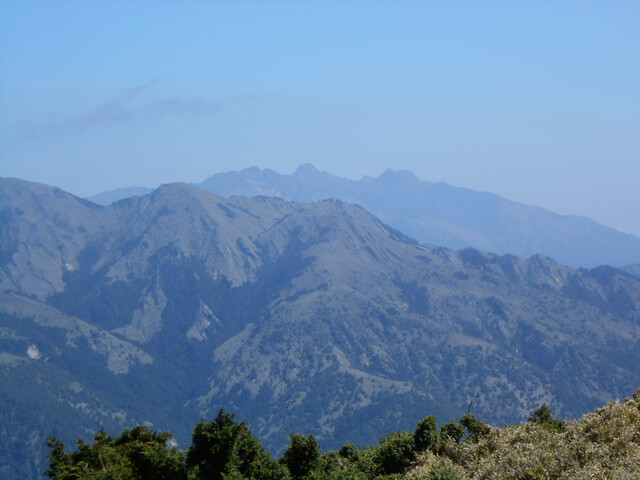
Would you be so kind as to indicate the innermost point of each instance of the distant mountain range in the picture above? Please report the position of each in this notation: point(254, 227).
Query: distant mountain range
point(310, 317)
point(439, 214)
point(107, 198)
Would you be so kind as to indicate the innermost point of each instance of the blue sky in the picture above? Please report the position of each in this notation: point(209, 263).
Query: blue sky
point(538, 101)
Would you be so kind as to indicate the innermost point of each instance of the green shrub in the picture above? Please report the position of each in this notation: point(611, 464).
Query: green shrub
point(444, 473)
point(349, 451)
point(395, 453)
point(543, 416)
point(452, 430)
point(302, 455)
point(426, 435)
point(475, 428)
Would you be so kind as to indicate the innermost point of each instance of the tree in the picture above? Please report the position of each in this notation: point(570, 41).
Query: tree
point(543, 416)
point(137, 454)
point(225, 448)
point(452, 430)
point(395, 453)
point(475, 427)
point(301, 456)
point(60, 462)
point(426, 435)
point(150, 455)
point(349, 451)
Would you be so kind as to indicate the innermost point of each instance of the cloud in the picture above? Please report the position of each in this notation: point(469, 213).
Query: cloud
point(127, 107)
point(178, 106)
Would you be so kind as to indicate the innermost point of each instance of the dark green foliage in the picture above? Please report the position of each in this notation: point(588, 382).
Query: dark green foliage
point(302, 455)
point(475, 428)
point(452, 430)
point(427, 435)
point(225, 448)
point(137, 454)
point(543, 416)
point(444, 473)
point(333, 466)
point(60, 463)
point(150, 455)
point(395, 453)
point(349, 451)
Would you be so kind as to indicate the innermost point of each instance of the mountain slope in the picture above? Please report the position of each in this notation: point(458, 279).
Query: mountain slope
point(633, 269)
point(299, 317)
point(439, 214)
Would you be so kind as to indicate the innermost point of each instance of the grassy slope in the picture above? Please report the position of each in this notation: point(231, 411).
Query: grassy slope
point(604, 444)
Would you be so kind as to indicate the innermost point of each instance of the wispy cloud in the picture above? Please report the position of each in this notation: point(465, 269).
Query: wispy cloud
point(178, 106)
point(127, 107)
point(118, 110)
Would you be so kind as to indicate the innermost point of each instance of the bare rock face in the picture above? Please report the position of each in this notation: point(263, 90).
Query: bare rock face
point(315, 318)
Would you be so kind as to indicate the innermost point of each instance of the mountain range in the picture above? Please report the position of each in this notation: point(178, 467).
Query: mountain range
point(312, 317)
point(438, 214)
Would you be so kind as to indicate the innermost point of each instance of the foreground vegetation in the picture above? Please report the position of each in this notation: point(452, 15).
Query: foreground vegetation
point(604, 444)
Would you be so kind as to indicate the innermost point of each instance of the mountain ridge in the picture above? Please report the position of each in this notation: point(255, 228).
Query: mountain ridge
point(455, 217)
point(299, 317)
point(439, 214)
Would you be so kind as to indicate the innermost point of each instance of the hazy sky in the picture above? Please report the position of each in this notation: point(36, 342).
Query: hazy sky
point(538, 101)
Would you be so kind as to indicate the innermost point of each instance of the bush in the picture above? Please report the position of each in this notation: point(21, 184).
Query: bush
point(602, 444)
point(302, 455)
point(349, 451)
point(393, 476)
point(475, 427)
point(444, 473)
point(225, 448)
point(137, 454)
point(543, 416)
point(426, 435)
point(395, 453)
point(452, 430)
